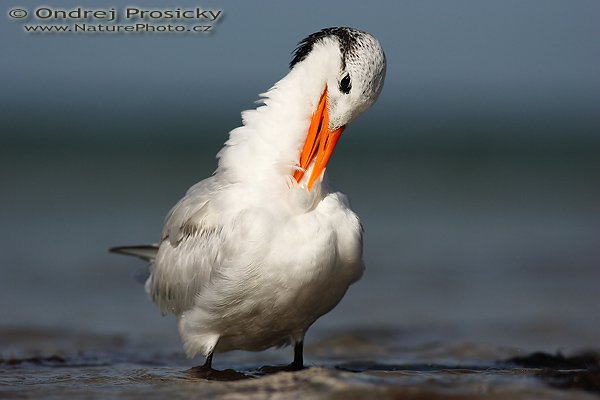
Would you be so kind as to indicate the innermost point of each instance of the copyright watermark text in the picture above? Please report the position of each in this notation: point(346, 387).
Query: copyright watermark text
point(131, 19)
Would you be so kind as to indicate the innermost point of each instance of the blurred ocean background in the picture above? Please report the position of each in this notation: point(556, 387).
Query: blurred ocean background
point(476, 175)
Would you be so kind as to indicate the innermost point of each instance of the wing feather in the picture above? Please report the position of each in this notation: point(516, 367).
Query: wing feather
point(189, 251)
point(146, 252)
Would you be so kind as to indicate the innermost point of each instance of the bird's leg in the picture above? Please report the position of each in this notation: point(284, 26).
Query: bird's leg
point(298, 362)
point(205, 368)
point(296, 365)
point(206, 371)
point(208, 363)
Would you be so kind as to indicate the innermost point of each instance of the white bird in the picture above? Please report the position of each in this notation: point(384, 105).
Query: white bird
point(252, 256)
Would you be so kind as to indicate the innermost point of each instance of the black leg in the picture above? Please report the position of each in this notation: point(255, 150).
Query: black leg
point(296, 365)
point(208, 364)
point(205, 371)
point(298, 362)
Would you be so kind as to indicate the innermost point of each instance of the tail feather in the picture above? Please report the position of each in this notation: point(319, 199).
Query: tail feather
point(146, 252)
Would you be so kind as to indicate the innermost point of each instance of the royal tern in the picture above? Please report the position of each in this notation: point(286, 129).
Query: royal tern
point(252, 256)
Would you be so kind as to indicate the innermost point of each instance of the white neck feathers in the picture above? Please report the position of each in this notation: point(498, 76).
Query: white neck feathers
point(265, 150)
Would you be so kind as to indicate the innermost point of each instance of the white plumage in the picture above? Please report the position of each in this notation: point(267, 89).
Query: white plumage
point(250, 257)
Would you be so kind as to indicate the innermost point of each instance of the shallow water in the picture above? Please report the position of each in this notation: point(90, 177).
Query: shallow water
point(65, 364)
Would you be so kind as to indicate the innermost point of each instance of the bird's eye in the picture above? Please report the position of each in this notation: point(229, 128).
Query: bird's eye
point(345, 84)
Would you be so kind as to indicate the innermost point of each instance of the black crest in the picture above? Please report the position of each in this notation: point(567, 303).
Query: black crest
point(347, 36)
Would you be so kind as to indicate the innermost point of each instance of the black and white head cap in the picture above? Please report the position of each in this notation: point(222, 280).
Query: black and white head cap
point(359, 81)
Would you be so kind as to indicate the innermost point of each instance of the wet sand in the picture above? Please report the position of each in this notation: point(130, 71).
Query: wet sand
point(56, 364)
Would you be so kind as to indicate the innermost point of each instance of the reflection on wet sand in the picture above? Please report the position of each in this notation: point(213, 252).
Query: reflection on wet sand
point(65, 363)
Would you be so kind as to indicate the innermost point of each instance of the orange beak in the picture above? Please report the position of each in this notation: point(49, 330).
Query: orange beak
point(320, 142)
